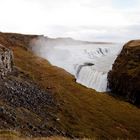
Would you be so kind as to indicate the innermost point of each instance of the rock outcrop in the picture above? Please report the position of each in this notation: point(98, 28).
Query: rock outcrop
point(6, 60)
point(124, 78)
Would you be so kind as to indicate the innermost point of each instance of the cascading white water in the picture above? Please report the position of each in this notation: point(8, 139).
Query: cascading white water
point(89, 63)
point(92, 78)
point(94, 74)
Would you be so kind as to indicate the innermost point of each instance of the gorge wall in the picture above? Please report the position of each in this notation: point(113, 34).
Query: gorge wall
point(124, 78)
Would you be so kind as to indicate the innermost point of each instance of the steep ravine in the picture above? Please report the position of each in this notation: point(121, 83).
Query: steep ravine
point(124, 78)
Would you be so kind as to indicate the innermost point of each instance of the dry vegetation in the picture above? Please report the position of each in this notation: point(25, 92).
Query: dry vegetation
point(83, 112)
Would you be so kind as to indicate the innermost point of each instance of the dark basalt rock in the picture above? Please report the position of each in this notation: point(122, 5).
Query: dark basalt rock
point(87, 64)
point(25, 107)
point(124, 78)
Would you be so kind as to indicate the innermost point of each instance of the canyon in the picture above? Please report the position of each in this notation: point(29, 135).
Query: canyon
point(38, 99)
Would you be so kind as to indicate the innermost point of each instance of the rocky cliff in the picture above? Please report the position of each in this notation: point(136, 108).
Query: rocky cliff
point(124, 79)
point(6, 60)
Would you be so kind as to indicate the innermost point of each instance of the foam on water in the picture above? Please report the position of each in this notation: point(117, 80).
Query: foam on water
point(89, 63)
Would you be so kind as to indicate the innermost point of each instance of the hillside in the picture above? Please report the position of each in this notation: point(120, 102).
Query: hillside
point(124, 79)
point(24, 106)
point(67, 109)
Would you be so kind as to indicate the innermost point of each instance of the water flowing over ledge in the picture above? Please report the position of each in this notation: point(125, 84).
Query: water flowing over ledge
point(89, 63)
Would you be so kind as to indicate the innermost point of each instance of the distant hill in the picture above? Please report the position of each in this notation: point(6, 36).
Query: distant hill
point(71, 41)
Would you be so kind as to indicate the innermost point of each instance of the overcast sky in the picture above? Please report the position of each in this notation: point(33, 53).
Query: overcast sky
point(93, 20)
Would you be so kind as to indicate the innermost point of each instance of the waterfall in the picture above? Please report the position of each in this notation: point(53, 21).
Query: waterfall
point(89, 63)
point(92, 78)
point(94, 75)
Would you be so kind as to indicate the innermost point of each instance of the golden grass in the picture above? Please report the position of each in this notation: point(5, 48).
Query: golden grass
point(14, 135)
point(83, 112)
point(48, 138)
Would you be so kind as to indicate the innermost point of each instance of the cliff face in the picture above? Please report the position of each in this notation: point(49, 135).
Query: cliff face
point(124, 79)
point(6, 60)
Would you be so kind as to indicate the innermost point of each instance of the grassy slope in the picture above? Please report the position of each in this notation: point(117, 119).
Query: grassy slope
point(83, 112)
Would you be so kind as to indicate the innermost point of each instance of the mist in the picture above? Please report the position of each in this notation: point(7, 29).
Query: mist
point(88, 62)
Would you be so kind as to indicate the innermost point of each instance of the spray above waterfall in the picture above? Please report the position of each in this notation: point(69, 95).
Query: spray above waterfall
point(88, 62)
